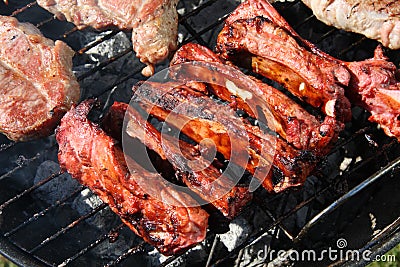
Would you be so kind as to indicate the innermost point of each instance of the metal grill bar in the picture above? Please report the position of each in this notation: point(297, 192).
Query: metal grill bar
point(40, 24)
point(69, 227)
point(196, 10)
point(352, 46)
point(103, 64)
point(323, 214)
point(43, 212)
point(128, 253)
point(90, 246)
point(20, 10)
point(203, 31)
point(29, 190)
point(97, 42)
point(4, 147)
point(214, 245)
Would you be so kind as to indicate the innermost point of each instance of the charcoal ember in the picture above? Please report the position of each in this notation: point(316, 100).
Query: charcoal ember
point(86, 202)
point(195, 256)
point(56, 189)
point(239, 230)
point(111, 250)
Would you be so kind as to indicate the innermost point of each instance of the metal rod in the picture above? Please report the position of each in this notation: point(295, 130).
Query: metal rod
point(103, 64)
point(20, 10)
point(214, 245)
point(91, 245)
point(97, 42)
point(70, 226)
point(4, 147)
point(208, 28)
point(128, 253)
point(29, 190)
point(40, 24)
point(43, 212)
point(24, 162)
point(336, 204)
point(196, 10)
point(263, 230)
point(352, 46)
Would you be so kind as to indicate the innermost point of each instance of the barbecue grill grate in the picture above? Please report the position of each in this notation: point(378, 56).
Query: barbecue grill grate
point(47, 219)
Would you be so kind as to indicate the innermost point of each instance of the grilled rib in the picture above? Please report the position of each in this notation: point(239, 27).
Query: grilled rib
point(154, 23)
point(290, 120)
point(373, 83)
point(170, 102)
point(37, 85)
point(93, 158)
point(195, 171)
point(304, 74)
point(375, 87)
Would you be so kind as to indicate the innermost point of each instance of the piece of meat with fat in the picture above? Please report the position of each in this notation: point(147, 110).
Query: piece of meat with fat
point(154, 24)
point(37, 85)
point(372, 84)
point(379, 20)
point(291, 121)
point(93, 158)
point(257, 43)
point(267, 157)
point(375, 85)
point(195, 171)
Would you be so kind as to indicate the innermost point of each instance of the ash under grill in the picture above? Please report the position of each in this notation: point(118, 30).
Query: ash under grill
point(48, 219)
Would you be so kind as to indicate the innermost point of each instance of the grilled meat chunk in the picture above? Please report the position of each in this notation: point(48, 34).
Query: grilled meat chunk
point(306, 75)
point(291, 121)
point(268, 158)
point(93, 158)
point(37, 85)
point(375, 85)
point(195, 171)
point(154, 23)
point(371, 83)
point(378, 20)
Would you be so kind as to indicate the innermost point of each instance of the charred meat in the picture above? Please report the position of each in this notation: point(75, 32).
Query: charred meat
point(171, 224)
point(196, 171)
point(372, 83)
point(37, 85)
point(258, 43)
point(291, 121)
point(270, 159)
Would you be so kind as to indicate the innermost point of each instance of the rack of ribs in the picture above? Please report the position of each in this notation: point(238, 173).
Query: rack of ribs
point(257, 37)
point(190, 166)
point(171, 224)
point(264, 155)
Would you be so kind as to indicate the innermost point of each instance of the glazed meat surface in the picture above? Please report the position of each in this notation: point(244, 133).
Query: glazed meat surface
point(191, 167)
point(291, 121)
point(268, 158)
point(379, 20)
point(154, 23)
point(92, 157)
point(372, 83)
point(37, 85)
point(311, 78)
point(375, 86)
